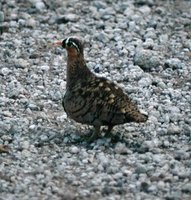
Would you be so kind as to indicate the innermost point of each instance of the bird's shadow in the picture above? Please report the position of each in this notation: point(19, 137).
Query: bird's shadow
point(72, 135)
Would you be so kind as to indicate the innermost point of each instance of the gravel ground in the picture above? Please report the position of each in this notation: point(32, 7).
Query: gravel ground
point(145, 45)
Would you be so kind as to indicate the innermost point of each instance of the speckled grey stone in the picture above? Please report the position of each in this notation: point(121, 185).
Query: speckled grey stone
point(187, 188)
point(147, 59)
point(173, 63)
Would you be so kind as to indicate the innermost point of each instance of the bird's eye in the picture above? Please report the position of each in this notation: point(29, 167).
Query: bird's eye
point(70, 44)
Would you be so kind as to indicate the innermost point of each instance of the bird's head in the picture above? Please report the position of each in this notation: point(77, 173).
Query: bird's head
point(72, 45)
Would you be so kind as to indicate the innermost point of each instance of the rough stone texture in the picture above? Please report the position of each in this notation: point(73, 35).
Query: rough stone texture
point(150, 161)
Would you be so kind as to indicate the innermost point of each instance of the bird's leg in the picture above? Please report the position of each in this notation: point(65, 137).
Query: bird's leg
point(90, 138)
point(108, 132)
point(95, 134)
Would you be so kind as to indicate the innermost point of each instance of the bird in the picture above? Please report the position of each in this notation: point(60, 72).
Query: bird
point(91, 99)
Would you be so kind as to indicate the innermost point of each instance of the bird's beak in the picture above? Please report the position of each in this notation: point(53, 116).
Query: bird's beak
point(58, 43)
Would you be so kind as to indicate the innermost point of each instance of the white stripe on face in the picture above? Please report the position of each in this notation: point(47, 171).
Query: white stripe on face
point(75, 45)
point(67, 40)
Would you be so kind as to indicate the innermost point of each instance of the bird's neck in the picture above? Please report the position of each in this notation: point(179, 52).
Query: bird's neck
point(76, 68)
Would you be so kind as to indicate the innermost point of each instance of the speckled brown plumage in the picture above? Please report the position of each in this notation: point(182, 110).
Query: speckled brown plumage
point(94, 100)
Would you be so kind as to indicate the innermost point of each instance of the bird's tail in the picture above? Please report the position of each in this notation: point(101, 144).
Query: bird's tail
point(141, 118)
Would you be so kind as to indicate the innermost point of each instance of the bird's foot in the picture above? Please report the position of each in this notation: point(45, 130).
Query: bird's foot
point(90, 137)
point(114, 138)
point(108, 132)
point(95, 135)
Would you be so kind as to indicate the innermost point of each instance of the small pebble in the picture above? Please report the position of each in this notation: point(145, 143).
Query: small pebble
point(147, 59)
point(2, 17)
point(40, 6)
point(187, 188)
point(74, 150)
point(173, 63)
point(121, 148)
point(173, 129)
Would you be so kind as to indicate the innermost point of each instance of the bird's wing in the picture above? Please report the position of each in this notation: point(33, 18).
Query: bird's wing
point(101, 100)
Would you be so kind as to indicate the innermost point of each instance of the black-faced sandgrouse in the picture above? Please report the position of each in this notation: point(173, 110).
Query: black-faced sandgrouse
point(94, 100)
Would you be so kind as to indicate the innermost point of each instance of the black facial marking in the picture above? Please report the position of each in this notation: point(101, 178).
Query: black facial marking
point(72, 43)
